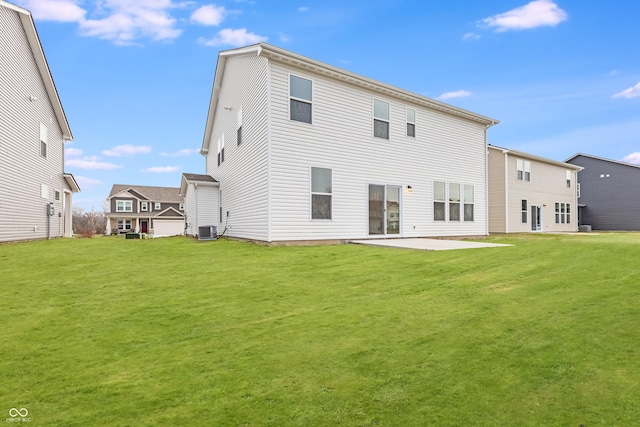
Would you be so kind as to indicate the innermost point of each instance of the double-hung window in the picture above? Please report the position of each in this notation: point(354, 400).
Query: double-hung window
point(321, 193)
point(144, 206)
point(438, 201)
point(124, 224)
point(43, 140)
point(563, 213)
point(239, 125)
point(568, 176)
point(300, 99)
point(454, 202)
point(411, 122)
point(523, 211)
point(124, 206)
point(221, 149)
point(380, 119)
point(157, 206)
point(468, 202)
point(524, 169)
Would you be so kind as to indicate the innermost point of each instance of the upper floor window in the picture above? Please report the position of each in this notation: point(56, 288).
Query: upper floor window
point(181, 206)
point(57, 195)
point(568, 173)
point(144, 206)
point(43, 140)
point(239, 126)
point(380, 119)
point(300, 99)
point(411, 122)
point(321, 191)
point(124, 206)
point(578, 190)
point(524, 169)
point(157, 206)
point(221, 149)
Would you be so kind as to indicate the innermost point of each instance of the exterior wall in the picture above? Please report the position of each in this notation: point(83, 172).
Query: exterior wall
point(446, 148)
point(546, 188)
point(610, 194)
point(201, 207)
point(23, 171)
point(243, 176)
point(497, 191)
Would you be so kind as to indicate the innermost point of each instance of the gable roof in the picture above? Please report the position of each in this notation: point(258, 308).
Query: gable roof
point(197, 178)
point(169, 213)
point(534, 157)
point(43, 66)
point(145, 192)
point(284, 56)
point(602, 159)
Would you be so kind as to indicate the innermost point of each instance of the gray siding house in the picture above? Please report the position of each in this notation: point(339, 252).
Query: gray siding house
point(305, 151)
point(529, 193)
point(36, 193)
point(609, 193)
point(158, 211)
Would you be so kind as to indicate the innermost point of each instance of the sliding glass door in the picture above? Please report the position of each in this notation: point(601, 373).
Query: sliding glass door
point(384, 209)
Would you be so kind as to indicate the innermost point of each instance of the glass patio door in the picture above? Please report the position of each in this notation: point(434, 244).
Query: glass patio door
point(384, 209)
point(536, 220)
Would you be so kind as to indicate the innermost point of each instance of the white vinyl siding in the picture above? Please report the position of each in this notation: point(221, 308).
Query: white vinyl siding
point(25, 218)
point(200, 206)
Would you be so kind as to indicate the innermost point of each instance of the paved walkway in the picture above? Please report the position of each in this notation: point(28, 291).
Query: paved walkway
point(427, 244)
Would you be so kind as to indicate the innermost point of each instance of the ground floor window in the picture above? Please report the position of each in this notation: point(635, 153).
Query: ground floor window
point(523, 208)
point(563, 213)
point(124, 224)
point(321, 193)
point(456, 204)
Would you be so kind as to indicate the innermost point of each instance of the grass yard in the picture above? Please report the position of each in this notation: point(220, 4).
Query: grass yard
point(115, 332)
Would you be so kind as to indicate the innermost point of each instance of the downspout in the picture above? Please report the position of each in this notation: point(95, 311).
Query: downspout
point(506, 192)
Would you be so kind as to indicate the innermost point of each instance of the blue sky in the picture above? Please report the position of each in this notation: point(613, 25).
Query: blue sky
point(135, 76)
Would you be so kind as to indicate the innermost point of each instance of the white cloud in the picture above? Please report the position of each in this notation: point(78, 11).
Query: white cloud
point(161, 169)
point(629, 93)
point(632, 158)
point(72, 151)
point(208, 15)
point(91, 163)
point(455, 94)
point(88, 183)
point(303, 9)
point(538, 13)
point(181, 153)
point(229, 37)
point(127, 150)
point(54, 10)
point(471, 36)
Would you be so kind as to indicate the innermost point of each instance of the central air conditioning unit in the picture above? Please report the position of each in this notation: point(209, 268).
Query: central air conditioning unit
point(207, 232)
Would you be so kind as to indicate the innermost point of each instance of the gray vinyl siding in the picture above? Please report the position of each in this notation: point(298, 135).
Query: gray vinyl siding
point(243, 176)
point(22, 169)
point(497, 191)
point(611, 202)
point(446, 148)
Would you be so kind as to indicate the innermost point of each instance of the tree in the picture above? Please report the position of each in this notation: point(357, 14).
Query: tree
point(88, 223)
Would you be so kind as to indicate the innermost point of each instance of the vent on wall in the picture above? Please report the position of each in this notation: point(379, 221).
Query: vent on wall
point(207, 232)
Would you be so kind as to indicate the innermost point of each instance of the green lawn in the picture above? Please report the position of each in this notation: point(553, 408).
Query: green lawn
point(173, 331)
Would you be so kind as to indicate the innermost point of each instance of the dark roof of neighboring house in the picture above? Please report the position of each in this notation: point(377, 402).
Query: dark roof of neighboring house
point(602, 159)
point(153, 194)
point(198, 177)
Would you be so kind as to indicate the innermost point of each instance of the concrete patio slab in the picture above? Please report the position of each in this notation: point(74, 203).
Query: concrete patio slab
point(427, 244)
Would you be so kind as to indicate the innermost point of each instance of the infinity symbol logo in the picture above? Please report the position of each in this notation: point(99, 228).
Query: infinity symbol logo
point(22, 412)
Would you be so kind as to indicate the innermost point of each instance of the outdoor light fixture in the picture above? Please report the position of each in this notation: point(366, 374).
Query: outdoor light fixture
point(32, 98)
point(409, 189)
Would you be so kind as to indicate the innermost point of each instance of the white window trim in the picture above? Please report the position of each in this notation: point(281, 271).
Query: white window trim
point(157, 206)
point(374, 118)
point(239, 127)
point(295, 98)
point(411, 122)
point(311, 193)
point(43, 140)
point(144, 206)
point(181, 207)
point(124, 205)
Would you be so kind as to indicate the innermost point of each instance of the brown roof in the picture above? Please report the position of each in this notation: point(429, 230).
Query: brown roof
point(198, 177)
point(153, 194)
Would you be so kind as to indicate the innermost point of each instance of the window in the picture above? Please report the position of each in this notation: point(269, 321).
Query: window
point(57, 195)
point(44, 191)
point(181, 207)
point(411, 122)
point(380, 119)
point(239, 125)
point(454, 202)
point(221, 149)
point(220, 206)
point(524, 169)
point(438, 201)
point(301, 95)
point(578, 190)
point(157, 206)
point(43, 140)
point(124, 224)
point(568, 179)
point(523, 208)
point(124, 206)
point(321, 191)
point(563, 213)
point(468, 202)
point(144, 206)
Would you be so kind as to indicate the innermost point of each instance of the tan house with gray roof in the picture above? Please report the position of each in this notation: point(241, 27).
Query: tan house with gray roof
point(158, 211)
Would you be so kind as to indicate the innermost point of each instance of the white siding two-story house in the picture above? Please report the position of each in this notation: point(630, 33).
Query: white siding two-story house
point(304, 151)
point(35, 192)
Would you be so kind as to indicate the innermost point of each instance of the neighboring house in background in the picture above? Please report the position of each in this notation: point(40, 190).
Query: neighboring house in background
point(144, 209)
point(36, 192)
point(201, 195)
point(528, 193)
point(304, 151)
point(609, 193)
